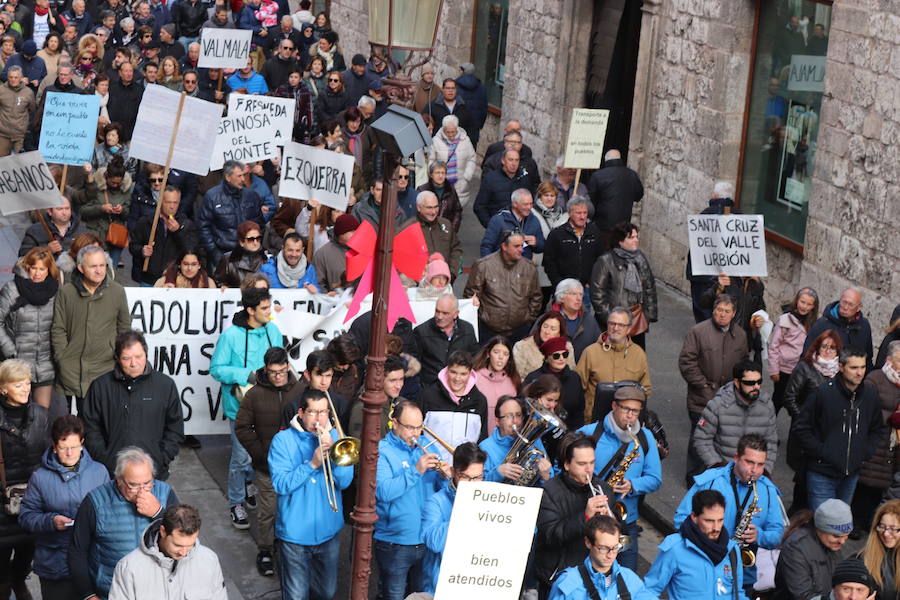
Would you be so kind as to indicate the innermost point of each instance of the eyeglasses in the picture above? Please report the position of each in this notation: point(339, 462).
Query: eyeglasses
point(615, 325)
point(69, 448)
point(827, 347)
point(886, 529)
point(628, 411)
point(508, 233)
point(287, 47)
point(402, 176)
point(517, 415)
point(608, 549)
point(278, 372)
point(334, 80)
point(133, 487)
point(411, 427)
point(316, 413)
point(156, 179)
point(464, 477)
point(559, 355)
point(191, 81)
point(253, 238)
point(751, 382)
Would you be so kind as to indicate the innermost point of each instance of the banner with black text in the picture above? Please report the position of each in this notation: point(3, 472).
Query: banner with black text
point(729, 244)
point(311, 173)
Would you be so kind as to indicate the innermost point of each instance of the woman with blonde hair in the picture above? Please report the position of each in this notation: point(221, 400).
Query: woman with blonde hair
point(880, 552)
point(170, 73)
point(91, 43)
point(26, 314)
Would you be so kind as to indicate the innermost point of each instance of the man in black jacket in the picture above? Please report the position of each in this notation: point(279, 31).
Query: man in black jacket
point(570, 498)
point(450, 104)
point(133, 405)
point(513, 140)
point(839, 426)
point(124, 99)
point(175, 234)
point(845, 318)
point(571, 249)
point(614, 189)
point(495, 193)
point(63, 225)
point(442, 335)
point(224, 208)
point(277, 69)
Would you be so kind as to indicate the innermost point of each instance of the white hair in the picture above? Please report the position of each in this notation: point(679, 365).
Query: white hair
point(132, 455)
point(451, 297)
point(893, 350)
point(87, 251)
point(519, 195)
point(450, 120)
point(565, 286)
point(368, 101)
point(612, 154)
point(723, 189)
point(423, 196)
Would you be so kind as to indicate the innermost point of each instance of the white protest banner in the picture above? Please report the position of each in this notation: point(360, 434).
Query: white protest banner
point(253, 130)
point(587, 131)
point(806, 73)
point(490, 534)
point(308, 172)
point(182, 327)
point(196, 131)
point(26, 184)
point(224, 48)
point(69, 128)
point(730, 244)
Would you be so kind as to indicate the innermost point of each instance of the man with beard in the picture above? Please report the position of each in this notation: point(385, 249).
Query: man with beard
point(700, 558)
point(738, 408)
point(289, 269)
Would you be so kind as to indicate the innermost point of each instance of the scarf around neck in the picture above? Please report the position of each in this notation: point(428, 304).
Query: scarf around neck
point(891, 373)
point(35, 294)
point(550, 214)
point(290, 276)
point(715, 550)
point(825, 366)
point(632, 277)
point(622, 434)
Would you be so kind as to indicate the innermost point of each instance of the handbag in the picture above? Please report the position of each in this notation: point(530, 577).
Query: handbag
point(116, 233)
point(12, 495)
point(639, 322)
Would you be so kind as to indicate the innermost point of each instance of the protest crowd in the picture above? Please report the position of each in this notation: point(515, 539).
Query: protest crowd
point(550, 386)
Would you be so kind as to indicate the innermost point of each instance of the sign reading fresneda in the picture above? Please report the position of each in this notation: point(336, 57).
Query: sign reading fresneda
point(26, 184)
point(730, 244)
point(323, 175)
point(488, 541)
point(587, 132)
point(224, 48)
point(69, 127)
point(253, 130)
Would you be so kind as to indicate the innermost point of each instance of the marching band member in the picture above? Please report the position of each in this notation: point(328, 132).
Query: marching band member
point(306, 526)
point(511, 413)
point(405, 481)
point(735, 481)
point(570, 498)
point(622, 442)
point(546, 393)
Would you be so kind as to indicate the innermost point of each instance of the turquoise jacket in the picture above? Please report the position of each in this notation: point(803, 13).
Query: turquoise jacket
point(568, 585)
point(686, 572)
point(435, 523)
point(497, 447)
point(238, 353)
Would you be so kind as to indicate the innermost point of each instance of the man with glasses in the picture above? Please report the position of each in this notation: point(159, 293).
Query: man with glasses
point(284, 30)
point(189, 84)
point(618, 435)
point(258, 420)
point(845, 317)
point(310, 512)
point(450, 104)
point(739, 407)
point(279, 67)
point(602, 569)
point(608, 362)
point(111, 421)
point(407, 477)
point(440, 236)
point(735, 481)
point(511, 413)
point(111, 521)
point(700, 561)
point(468, 465)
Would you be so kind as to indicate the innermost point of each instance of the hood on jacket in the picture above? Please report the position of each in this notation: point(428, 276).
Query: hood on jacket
point(413, 366)
point(470, 82)
point(51, 462)
point(262, 378)
point(100, 177)
point(442, 377)
point(831, 313)
point(150, 547)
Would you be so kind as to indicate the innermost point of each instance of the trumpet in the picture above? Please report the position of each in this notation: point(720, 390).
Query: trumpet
point(330, 489)
point(440, 465)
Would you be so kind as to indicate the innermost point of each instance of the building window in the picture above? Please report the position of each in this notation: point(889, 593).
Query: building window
point(780, 141)
point(489, 49)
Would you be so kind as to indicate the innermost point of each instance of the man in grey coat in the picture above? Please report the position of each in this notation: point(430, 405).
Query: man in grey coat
point(170, 562)
point(738, 408)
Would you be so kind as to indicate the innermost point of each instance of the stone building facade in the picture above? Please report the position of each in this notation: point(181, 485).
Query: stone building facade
point(692, 75)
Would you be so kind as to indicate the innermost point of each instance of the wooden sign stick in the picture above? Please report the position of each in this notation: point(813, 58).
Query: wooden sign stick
point(310, 238)
point(62, 192)
point(577, 179)
point(162, 188)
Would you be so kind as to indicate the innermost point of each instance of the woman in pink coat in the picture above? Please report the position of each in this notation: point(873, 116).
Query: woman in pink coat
point(786, 341)
point(497, 375)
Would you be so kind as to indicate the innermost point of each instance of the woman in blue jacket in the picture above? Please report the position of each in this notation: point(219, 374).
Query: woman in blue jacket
point(55, 491)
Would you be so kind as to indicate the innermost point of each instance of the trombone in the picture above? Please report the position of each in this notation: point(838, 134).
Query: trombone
point(344, 452)
point(440, 465)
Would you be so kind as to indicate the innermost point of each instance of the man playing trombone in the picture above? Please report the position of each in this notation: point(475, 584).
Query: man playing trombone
point(309, 515)
point(407, 478)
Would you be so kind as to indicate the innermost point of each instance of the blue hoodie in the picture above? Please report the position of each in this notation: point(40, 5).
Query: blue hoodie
point(56, 490)
point(254, 83)
point(435, 523)
point(401, 492)
point(239, 352)
point(645, 472)
point(683, 570)
point(497, 447)
point(568, 585)
point(270, 270)
point(303, 515)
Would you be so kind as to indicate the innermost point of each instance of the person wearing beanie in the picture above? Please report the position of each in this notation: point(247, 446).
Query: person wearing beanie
point(34, 69)
point(356, 80)
point(442, 335)
point(438, 232)
point(812, 551)
point(852, 581)
point(330, 261)
point(436, 280)
point(558, 357)
point(474, 94)
point(426, 91)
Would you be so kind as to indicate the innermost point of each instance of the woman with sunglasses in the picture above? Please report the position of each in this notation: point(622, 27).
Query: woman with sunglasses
point(244, 260)
point(527, 352)
point(880, 552)
point(335, 99)
point(557, 352)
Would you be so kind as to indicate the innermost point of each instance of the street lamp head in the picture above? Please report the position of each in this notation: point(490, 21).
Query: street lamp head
point(401, 131)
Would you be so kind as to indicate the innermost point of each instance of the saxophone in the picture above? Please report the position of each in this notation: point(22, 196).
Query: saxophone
point(618, 476)
point(748, 557)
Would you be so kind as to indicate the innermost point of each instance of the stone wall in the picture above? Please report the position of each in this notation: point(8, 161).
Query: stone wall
point(696, 83)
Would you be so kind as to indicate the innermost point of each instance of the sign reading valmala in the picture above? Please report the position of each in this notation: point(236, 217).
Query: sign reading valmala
point(26, 184)
point(587, 132)
point(182, 327)
point(69, 127)
point(308, 172)
point(730, 244)
point(488, 541)
point(224, 48)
